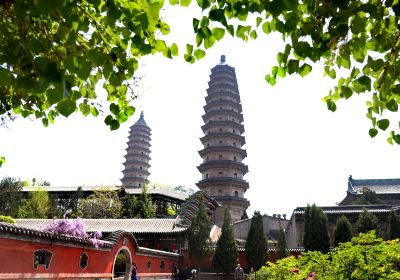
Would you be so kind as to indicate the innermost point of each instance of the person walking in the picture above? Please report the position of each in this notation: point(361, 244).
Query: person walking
point(134, 272)
point(239, 274)
point(175, 272)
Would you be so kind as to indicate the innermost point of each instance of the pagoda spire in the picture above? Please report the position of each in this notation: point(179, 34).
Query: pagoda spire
point(137, 155)
point(222, 168)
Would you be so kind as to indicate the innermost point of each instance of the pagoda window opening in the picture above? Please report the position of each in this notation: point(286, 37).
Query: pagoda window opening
point(234, 158)
point(220, 119)
point(220, 156)
point(234, 144)
point(236, 194)
point(162, 266)
point(219, 173)
point(141, 168)
point(208, 158)
point(235, 174)
point(234, 131)
point(140, 185)
point(83, 261)
point(42, 257)
point(208, 144)
point(206, 176)
point(220, 192)
point(220, 142)
point(220, 130)
point(220, 108)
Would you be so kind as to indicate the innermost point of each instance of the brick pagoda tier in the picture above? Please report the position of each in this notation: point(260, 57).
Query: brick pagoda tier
point(222, 168)
point(137, 155)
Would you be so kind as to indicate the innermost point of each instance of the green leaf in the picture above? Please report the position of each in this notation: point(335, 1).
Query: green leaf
point(174, 49)
point(345, 92)
point(373, 132)
point(84, 108)
point(270, 79)
point(94, 111)
point(189, 49)
point(2, 161)
point(305, 69)
point(129, 110)
point(293, 66)
point(302, 49)
point(51, 73)
point(209, 42)
point(84, 69)
point(258, 21)
point(331, 105)
point(45, 122)
point(358, 24)
point(383, 124)
point(114, 108)
point(392, 105)
point(6, 78)
point(185, 3)
point(114, 125)
point(173, 2)
point(195, 24)
point(266, 27)
point(199, 54)
point(54, 96)
point(66, 107)
point(253, 34)
point(218, 33)
point(122, 117)
point(365, 81)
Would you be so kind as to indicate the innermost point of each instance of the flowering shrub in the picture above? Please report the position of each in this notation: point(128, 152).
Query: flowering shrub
point(365, 257)
point(74, 228)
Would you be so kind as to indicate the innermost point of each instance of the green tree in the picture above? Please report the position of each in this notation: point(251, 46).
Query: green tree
point(256, 247)
point(129, 204)
point(144, 207)
point(367, 197)
point(281, 247)
point(225, 256)
point(7, 219)
point(366, 222)
point(10, 196)
point(37, 205)
point(102, 204)
point(315, 236)
point(394, 225)
point(342, 232)
point(54, 207)
point(199, 235)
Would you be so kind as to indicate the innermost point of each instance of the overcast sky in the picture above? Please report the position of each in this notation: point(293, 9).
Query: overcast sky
point(298, 151)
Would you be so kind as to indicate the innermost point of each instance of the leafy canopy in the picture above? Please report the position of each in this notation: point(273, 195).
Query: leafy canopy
point(256, 247)
point(316, 236)
point(54, 53)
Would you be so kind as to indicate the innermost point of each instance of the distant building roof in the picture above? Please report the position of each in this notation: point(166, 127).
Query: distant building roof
point(160, 192)
point(141, 120)
point(135, 226)
point(379, 186)
point(382, 208)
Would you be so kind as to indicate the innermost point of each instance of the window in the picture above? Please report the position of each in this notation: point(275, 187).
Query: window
point(83, 261)
point(234, 144)
point(220, 192)
point(220, 142)
point(220, 108)
point(140, 185)
point(235, 175)
point(208, 158)
point(42, 257)
point(234, 158)
point(208, 145)
point(234, 131)
point(148, 265)
point(220, 173)
point(220, 119)
point(142, 153)
point(220, 130)
point(220, 156)
point(140, 168)
point(236, 194)
point(206, 176)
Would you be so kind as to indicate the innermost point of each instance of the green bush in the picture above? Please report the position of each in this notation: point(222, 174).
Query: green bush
point(364, 257)
point(7, 219)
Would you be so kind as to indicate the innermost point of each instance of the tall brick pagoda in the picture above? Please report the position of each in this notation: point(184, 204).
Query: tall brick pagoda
point(137, 155)
point(222, 168)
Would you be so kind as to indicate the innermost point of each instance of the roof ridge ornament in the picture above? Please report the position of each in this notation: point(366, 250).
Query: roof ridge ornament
point(222, 58)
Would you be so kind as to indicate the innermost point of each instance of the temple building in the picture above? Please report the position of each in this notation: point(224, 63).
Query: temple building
point(222, 168)
point(137, 155)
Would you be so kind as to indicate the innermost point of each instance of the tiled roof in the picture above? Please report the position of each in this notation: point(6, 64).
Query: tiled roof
point(137, 191)
point(141, 120)
point(26, 231)
point(379, 186)
point(383, 208)
point(135, 226)
point(189, 209)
